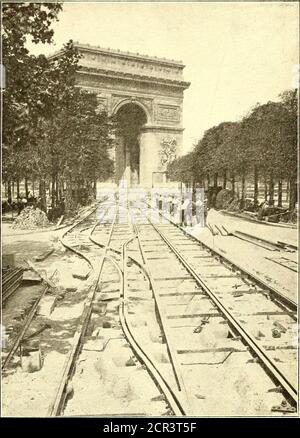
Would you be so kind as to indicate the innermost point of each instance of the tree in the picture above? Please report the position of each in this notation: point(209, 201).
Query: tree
point(272, 134)
point(183, 168)
point(86, 137)
point(58, 136)
point(70, 140)
point(262, 146)
point(289, 100)
point(20, 22)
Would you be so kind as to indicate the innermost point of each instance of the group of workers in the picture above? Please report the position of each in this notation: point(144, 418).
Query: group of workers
point(182, 208)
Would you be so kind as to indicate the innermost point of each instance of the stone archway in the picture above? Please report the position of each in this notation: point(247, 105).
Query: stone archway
point(130, 121)
point(153, 85)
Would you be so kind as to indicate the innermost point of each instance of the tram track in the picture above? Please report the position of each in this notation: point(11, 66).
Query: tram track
point(116, 255)
point(31, 312)
point(62, 392)
point(196, 297)
point(270, 319)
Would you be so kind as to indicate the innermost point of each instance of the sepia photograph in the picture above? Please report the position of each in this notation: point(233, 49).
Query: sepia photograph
point(149, 211)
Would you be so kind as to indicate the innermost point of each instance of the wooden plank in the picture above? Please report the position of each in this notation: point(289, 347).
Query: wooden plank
point(24, 329)
point(44, 255)
point(44, 277)
point(179, 294)
point(60, 220)
point(212, 350)
point(195, 315)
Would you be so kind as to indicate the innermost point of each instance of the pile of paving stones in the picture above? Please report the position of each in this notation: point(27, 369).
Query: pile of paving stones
point(31, 218)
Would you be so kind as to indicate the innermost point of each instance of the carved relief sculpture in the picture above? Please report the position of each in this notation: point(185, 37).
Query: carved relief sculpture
point(168, 150)
point(168, 113)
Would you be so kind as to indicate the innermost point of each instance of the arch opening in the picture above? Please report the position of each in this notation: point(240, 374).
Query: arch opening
point(130, 120)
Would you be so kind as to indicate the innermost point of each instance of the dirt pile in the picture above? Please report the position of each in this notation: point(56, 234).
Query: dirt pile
point(31, 218)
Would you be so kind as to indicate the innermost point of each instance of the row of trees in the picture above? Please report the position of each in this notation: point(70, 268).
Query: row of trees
point(52, 131)
point(262, 147)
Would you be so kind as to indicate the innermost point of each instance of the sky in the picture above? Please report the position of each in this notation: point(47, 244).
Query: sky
point(236, 54)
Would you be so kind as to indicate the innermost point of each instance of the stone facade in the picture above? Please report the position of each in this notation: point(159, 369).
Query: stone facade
point(154, 84)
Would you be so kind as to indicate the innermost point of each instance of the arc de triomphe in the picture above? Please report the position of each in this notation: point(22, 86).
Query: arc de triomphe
point(146, 94)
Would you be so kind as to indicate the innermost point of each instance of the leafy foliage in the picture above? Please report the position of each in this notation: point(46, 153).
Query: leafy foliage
point(264, 142)
point(52, 130)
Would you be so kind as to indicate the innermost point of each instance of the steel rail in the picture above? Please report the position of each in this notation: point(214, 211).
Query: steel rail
point(25, 326)
point(45, 290)
point(248, 339)
point(69, 247)
point(138, 350)
point(11, 284)
point(61, 393)
point(24, 329)
point(281, 298)
point(171, 351)
point(171, 397)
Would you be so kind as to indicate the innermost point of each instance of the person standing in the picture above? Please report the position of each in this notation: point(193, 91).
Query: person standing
point(182, 208)
point(160, 202)
point(169, 205)
point(175, 203)
point(157, 200)
point(199, 211)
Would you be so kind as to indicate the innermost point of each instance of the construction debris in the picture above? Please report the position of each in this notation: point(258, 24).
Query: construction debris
point(60, 220)
point(11, 280)
point(31, 218)
point(30, 276)
point(81, 271)
point(31, 360)
point(41, 274)
point(44, 255)
point(46, 306)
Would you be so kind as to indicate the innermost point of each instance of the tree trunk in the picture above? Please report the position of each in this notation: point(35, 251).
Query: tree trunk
point(208, 180)
point(242, 204)
point(33, 187)
point(69, 201)
point(266, 188)
point(42, 190)
point(53, 191)
point(201, 183)
point(233, 184)
point(57, 189)
point(279, 202)
point(292, 194)
point(255, 187)
point(95, 188)
point(215, 180)
point(18, 188)
point(26, 187)
point(9, 194)
point(224, 179)
point(287, 193)
point(271, 189)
